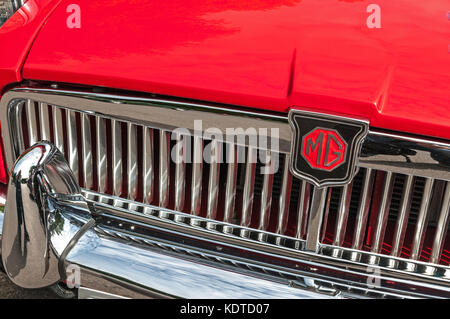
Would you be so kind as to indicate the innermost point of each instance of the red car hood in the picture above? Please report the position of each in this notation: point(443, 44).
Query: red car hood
point(271, 55)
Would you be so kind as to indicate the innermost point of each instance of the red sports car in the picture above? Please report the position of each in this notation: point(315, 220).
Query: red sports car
point(226, 149)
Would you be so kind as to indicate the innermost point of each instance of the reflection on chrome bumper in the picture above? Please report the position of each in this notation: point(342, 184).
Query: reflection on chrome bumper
point(48, 225)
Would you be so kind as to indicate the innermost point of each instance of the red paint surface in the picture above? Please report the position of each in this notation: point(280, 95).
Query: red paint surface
point(17, 35)
point(242, 52)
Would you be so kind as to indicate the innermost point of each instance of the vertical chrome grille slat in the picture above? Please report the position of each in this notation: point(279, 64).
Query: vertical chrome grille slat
point(419, 233)
point(197, 170)
point(303, 209)
point(132, 165)
point(180, 171)
point(117, 170)
point(72, 141)
point(344, 206)
point(315, 218)
point(45, 121)
point(442, 226)
point(266, 193)
point(213, 184)
point(101, 153)
point(32, 122)
point(383, 213)
point(285, 197)
point(363, 209)
point(149, 178)
point(402, 219)
point(164, 178)
point(87, 151)
point(248, 193)
point(58, 131)
point(230, 192)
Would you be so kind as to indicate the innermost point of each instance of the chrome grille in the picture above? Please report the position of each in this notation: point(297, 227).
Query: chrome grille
point(381, 212)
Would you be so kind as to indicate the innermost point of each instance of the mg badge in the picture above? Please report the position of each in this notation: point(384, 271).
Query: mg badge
point(325, 147)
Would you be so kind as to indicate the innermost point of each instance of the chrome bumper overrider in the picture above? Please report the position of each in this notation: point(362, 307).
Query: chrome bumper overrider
point(50, 224)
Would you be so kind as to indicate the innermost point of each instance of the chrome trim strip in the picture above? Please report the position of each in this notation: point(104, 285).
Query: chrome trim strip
point(101, 154)
point(248, 194)
point(72, 143)
point(303, 209)
point(58, 127)
point(441, 230)
point(167, 272)
point(230, 192)
point(45, 121)
point(315, 219)
point(36, 231)
point(132, 161)
point(180, 169)
point(266, 194)
point(344, 207)
point(213, 184)
point(402, 219)
point(285, 197)
point(32, 123)
point(87, 151)
point(149, 175)
point(197, 169)
point(164, 178)
point(422, 220)
point(364, 208)
point(383, 212)
point(117, 177)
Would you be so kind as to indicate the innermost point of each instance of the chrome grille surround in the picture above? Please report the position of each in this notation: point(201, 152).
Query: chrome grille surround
point(430, 160)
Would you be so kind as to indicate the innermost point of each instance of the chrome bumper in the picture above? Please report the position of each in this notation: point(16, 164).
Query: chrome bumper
point(50, 230)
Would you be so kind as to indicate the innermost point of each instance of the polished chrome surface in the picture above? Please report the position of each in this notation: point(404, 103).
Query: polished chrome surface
point(284, 199)
point(266, 194)
point(248, 193)
point(117, 164)
point(302, 221)
point(72, 142)
point(230, 192)
point(101, 154)
point(58, 130)
point(383, 212)
point(315, 219)
point(341, 225)
point(132, 168)
point(180, 171)
point(164, 163)
point(213, 184)
point(402, 220)
point(364, 208)
point(422, 220)
point(197, 170)
point(441, 229)
point(31, 121)
point(149, 174)
point(86, 143)
point(35, 230)
point(45, 121)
